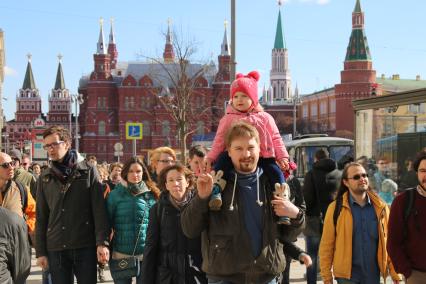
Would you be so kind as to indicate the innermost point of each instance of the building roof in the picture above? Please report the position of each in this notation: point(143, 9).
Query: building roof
point(279, 38)
point(357, 7)
point(358, 46)
point(394, 85)
point(29, 82)
point(156, 71)
point(60, 82)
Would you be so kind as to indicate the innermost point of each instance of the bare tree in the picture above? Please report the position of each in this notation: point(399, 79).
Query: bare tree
point(181, 82)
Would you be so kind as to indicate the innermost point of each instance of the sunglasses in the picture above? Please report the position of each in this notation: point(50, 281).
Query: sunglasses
point(52, 145)
point(357, 177)
point(7, 165)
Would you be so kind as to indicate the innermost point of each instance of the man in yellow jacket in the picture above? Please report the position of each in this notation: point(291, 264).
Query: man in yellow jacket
point(353, 242)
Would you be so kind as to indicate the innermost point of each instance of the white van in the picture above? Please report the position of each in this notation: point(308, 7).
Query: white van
point(302, 150)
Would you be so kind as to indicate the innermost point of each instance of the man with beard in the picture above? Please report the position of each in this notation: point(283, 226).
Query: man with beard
point(72, 229)
point(407, 228)
point(353, 243)
point(241, 242)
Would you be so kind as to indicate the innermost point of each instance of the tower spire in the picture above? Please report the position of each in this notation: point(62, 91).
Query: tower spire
point(111, 32)
point(279, 38)
point(101, 41)
point(60, 82)
point(112, 47)
point(225, 45)
point(169, 54)
point(358, 46)
point(29, 82)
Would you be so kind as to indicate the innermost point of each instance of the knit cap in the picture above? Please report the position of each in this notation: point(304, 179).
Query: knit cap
point(246, 84)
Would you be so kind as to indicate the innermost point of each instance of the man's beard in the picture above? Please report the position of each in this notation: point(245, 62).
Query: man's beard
point(247, 165)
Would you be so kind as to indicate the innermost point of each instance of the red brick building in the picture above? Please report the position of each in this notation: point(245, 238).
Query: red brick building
point(117, 92)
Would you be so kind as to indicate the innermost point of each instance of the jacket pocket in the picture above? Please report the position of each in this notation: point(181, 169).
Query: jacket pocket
point(220, 253)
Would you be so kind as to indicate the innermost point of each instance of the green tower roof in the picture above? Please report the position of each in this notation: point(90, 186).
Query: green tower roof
point(29, 82)
point(358, 46)
point(357, 7)
point(279, 38)
point(60, 82)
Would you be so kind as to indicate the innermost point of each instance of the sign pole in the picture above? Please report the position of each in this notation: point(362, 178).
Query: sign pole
point(134, 147)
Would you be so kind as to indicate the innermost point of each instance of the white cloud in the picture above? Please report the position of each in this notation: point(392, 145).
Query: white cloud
point(9, 71)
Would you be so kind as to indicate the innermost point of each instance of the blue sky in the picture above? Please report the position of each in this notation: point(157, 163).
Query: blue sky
point(316, 33)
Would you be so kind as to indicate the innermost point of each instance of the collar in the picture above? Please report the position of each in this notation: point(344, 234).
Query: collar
point(352, 200)
point(421, 191)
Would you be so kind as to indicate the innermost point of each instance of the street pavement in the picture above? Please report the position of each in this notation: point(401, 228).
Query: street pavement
point(296, 271)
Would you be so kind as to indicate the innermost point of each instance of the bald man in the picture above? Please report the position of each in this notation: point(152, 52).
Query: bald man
point(11, 197)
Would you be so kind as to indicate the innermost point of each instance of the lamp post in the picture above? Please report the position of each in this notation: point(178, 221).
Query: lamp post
point(296, 101)
point(78, 100)
point(233, 63)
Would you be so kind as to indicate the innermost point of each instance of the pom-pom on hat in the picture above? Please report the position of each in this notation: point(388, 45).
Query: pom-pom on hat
point(246, 84)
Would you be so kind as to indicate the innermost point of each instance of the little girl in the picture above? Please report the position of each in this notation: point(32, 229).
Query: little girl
point(244, 104)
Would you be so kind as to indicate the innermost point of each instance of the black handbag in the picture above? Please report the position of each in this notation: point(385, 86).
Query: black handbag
point(127, 267)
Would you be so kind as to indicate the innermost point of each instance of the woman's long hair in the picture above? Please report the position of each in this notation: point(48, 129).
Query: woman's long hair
point(145, 176)
point(342, 189)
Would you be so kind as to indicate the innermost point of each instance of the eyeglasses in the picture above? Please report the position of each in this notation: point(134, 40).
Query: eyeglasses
point(24, 164)
point(357, 177)
point(6, 165)
point(52, 145)
point(166, 161)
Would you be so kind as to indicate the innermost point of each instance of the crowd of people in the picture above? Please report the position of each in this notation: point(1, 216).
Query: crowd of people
point(229, 215)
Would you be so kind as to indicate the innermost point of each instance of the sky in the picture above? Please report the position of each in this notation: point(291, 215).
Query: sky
point(316, 34)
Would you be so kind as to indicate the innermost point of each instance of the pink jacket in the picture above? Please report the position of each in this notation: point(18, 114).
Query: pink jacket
point(271, 143)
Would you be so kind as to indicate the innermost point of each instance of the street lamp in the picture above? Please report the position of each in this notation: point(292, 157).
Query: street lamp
point(6, 141)
point(296, 102)
point(78, 100)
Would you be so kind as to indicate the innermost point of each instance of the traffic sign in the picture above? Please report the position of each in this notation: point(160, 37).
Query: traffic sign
point(118, 147)
point(134, 130)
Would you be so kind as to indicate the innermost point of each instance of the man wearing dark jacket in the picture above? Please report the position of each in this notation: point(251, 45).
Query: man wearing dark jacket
point(242, 242)
point(72, 227)
point(15, 251)
point(319, 190)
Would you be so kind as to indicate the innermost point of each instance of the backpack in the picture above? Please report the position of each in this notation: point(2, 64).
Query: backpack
point(409, 208)
point(24, 195)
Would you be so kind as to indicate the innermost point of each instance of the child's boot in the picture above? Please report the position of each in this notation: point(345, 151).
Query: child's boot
point(283, 190)
point(215, 202)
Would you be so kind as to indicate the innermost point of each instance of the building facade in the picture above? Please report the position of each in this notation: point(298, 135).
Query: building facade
point(120, 92)
point(24, 132)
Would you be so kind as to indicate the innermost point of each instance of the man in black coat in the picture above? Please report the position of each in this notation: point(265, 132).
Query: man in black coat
point(319, 190)
point(72, 229)
point(15, 251)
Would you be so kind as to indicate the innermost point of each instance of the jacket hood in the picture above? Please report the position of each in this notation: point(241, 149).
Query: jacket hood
point(326, 165)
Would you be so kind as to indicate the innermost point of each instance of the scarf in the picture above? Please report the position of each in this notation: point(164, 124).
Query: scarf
point(137, 188)
point(186, 199)
point(63, 169)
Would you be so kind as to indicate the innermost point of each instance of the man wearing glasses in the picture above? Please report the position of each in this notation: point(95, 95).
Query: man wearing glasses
point(13, 197)
point(72, 228)
point(353, 243)
point(21, 174)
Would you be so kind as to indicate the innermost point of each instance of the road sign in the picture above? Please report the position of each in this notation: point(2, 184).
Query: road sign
point(118, 147)
point(118, 153)
point(133, 130)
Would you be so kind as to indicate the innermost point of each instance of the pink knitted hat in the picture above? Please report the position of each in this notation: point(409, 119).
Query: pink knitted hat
point(246, 84)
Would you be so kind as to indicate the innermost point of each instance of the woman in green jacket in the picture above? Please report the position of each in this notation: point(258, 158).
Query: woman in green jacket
point(128, 210)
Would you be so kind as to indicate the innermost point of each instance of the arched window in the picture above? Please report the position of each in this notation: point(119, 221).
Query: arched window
point(165, 128)
point(101, 127)
point(146, 129)
point(126, 103)
point(200, 128)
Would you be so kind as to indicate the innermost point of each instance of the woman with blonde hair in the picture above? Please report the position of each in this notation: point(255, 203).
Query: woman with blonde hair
point(161, 158)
